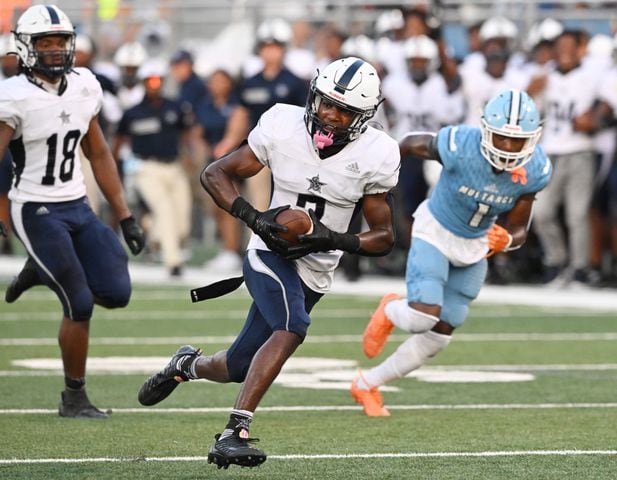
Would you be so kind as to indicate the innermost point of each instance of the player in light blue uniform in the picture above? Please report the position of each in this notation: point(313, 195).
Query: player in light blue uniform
point(487, 171)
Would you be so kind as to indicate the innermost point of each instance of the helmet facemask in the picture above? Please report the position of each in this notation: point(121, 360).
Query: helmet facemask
point(511, 114)
point(327, 135)
point(46, 62)
point(502, 159)
point(350, 84)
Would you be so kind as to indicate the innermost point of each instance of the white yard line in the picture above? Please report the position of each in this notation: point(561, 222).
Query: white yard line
point(240, 314)
point(594, 367)
point(332, 408)
point(208, 340)
point(484, 454)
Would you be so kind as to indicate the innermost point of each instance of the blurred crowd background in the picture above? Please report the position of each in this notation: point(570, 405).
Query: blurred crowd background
point(217, 65)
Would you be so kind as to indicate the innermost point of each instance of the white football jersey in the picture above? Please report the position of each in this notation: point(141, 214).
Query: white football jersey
point(567, 96)
point(48, 131)
point(608, 89)
point(331, 187)
point(479, 87)
point(421, 108)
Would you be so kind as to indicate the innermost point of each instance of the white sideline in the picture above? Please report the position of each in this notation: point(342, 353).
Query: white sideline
point(334, 408)
point(513, 453)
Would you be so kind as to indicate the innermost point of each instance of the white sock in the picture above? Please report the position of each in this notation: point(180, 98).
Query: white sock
point(410, 355)
point(409, 319)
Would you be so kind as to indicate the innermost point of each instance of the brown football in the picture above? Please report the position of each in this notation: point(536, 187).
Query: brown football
point(297, 222)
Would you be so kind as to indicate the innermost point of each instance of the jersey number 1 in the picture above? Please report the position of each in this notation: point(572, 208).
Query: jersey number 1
point(479, 214)
point(69, 145)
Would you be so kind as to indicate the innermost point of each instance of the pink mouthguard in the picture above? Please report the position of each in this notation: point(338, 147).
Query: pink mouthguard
point(322, 140)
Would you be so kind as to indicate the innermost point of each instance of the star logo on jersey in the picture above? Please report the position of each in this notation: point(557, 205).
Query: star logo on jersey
point(315, 184)
point(65, 117)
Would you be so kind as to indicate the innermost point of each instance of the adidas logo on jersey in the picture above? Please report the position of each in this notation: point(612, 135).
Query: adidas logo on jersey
point(491, 188)
point(42, 210)
point(353, 167)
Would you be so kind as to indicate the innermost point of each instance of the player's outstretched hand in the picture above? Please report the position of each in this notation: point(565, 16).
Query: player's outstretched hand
point(322, 239)
point(133, 235)
point(4, 232)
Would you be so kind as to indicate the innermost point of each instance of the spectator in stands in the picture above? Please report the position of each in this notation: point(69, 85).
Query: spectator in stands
point(603, 118)
point(192, 88)
point(128, 58)
point(158, 128)
point(484, 74)
point(212, 116)
point(570, 148)
point(273, 84)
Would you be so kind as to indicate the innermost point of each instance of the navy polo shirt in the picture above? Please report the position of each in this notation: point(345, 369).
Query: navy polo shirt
point(258, 94)
point(193, 91)
point(214, 119)
point(155, 130)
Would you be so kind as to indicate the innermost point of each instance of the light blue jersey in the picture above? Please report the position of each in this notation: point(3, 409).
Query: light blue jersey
point(470, 193)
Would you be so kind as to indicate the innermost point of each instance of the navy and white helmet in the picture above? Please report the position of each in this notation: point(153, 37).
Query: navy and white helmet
point(40, 21)
point(512, 113)
point(351, 84)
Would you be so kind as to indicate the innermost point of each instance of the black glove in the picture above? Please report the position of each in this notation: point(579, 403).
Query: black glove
point(322, 239)
point(4, 232)
point(263, 224)
point(133, 235)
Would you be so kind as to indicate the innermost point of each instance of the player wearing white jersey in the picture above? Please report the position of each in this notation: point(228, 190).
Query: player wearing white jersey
point(570, 92)
point(488, 171)
point(324, 159)
point(47, 113)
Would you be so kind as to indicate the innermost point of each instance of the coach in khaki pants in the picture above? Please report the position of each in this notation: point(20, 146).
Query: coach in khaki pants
point(157, 129)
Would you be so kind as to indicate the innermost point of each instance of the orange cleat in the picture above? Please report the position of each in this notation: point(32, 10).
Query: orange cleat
point(379, 328)
point(371, 400)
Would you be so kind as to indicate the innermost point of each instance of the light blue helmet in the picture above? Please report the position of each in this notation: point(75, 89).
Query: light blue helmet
point(512, 113)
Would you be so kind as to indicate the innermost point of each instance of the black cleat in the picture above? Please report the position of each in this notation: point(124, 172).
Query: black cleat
point(75, 404)
point(161, 384)
point(233, 450)
point(27, 278)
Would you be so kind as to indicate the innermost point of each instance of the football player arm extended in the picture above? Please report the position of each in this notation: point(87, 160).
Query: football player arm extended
point(104, 168)
point(378, 212)
point(421, 145)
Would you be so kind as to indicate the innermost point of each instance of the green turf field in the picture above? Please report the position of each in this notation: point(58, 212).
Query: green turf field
point(521, 392)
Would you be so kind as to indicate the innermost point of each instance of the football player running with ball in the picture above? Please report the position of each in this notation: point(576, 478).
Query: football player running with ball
point(48, 116)
point(488, 171)
point(327, 160)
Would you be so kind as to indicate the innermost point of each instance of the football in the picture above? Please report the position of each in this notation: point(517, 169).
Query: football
point(297, 222)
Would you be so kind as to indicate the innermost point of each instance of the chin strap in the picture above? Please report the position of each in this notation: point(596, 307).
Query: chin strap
point(322, 140)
